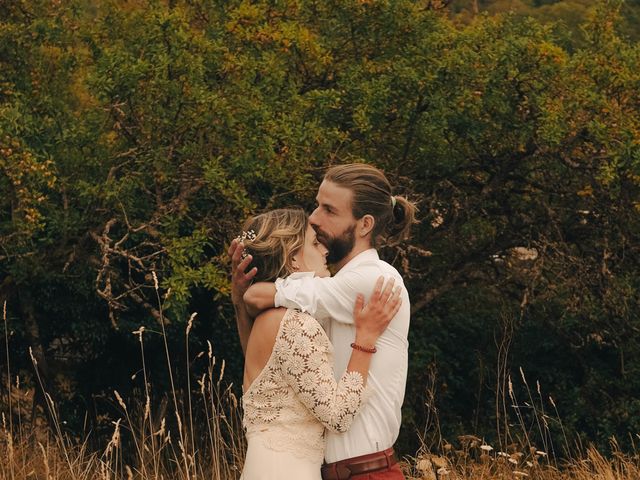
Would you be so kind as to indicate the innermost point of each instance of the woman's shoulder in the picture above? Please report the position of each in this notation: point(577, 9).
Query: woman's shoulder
point(268, 322)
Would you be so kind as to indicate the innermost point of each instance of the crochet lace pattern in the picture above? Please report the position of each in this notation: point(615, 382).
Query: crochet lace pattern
point(296, 396)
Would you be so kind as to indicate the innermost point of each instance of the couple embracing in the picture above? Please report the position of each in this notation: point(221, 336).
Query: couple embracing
point(326, 357)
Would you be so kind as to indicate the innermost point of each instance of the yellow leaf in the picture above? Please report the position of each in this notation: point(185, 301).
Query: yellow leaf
point(587, 191)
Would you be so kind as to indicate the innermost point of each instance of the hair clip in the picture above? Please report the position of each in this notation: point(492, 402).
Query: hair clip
point(250, 235)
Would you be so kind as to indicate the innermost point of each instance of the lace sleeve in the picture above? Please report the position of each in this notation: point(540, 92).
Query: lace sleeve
point(305, 359)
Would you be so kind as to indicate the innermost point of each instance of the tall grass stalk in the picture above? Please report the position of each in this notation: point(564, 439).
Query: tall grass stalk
point(216, 449)
point(147, 420)
point(59, 437)
point(10, 435)
point(541, 431)
point(188, 363)
point(181, 442)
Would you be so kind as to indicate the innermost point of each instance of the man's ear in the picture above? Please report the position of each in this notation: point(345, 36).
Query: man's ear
point(366, 225)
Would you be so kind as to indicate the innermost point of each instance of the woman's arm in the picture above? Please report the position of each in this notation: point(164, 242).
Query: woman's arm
point(240, 281)
point(307, 367)
point(259, 297)
point(329, 297)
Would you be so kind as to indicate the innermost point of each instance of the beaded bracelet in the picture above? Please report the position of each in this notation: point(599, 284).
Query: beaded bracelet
point(355, 346)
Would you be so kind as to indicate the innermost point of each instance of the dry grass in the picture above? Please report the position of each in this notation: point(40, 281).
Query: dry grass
point(198, 435)
point(476, 460)
point(201, 437)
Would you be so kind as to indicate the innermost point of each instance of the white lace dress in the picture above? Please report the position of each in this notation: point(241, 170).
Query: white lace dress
point(293, 399)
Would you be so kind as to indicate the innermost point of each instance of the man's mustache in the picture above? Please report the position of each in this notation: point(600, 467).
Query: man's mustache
point(322, 237)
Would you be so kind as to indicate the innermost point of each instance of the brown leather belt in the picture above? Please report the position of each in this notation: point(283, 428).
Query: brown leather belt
point(372, 462)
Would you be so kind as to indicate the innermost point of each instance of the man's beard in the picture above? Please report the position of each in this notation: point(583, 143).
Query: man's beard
point(338, 247)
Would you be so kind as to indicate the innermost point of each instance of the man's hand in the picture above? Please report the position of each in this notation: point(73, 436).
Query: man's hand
point(240, 277)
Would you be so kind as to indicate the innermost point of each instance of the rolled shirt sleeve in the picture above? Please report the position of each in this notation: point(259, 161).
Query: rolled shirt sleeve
point(328, 297)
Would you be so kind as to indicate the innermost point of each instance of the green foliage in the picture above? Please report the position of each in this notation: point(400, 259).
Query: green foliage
point(136, 136)
point(566, 16)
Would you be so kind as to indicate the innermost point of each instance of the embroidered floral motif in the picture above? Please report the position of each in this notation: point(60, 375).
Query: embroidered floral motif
point(297, 396)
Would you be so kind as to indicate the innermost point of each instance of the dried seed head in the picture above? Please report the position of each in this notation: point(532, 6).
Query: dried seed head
point(222, 370)
point(179, 423)
point(33, 358)
point(162, 428)
point(155, 279)
point(115, 438)
point(425, 465)
point(147, 408)
point(139, 332)
point(439, 462)
point(190, 323)
point(201, 382)
point(120, 401)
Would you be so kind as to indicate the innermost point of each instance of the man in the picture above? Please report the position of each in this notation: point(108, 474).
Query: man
point(356, 210)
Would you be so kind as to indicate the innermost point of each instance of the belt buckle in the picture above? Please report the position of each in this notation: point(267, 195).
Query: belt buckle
point(343, 471)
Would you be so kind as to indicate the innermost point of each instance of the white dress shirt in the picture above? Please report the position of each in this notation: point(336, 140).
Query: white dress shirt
point(331, 300)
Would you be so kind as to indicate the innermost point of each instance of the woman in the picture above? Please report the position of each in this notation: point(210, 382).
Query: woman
point(290, 393)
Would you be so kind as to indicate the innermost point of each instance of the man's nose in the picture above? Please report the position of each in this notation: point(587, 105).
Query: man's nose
point(314, 217)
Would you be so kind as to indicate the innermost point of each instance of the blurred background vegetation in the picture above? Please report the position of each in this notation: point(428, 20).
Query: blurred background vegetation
point(566, 17)
point(135, 136)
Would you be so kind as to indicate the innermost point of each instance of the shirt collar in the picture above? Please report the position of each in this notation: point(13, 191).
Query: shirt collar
point(295, 275)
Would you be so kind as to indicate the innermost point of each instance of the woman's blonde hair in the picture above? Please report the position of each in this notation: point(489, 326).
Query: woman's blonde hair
point(276, 236)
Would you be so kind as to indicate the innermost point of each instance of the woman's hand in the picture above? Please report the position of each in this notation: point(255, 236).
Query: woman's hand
point(240, 277)
point(373, 318)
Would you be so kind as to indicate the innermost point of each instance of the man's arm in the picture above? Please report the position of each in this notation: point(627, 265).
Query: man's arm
point(262, 295)
point(240, 282)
